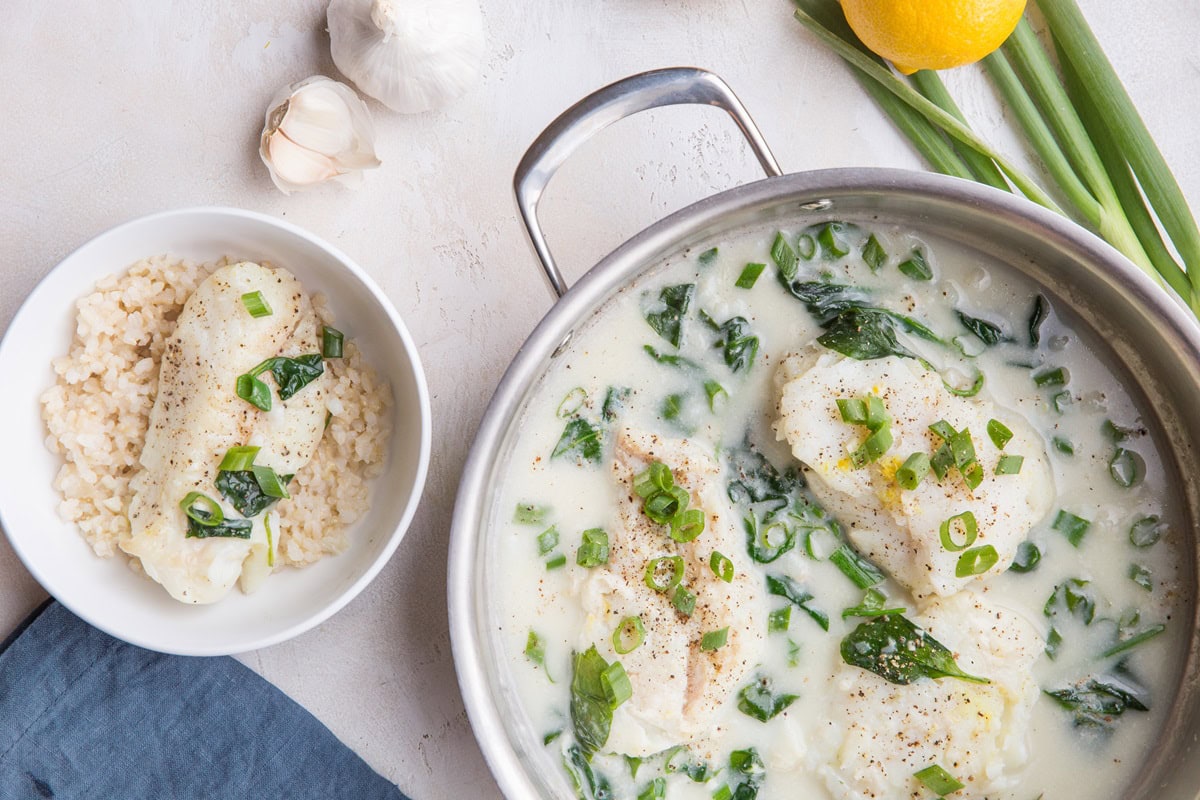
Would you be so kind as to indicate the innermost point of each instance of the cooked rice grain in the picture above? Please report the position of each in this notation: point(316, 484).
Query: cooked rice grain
point(98, 411)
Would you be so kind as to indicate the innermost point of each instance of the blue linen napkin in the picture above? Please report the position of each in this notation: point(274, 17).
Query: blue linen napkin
point(84, 715)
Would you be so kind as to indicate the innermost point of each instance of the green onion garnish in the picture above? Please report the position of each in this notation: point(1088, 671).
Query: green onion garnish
point(937, 780)
point(1063, 446)
point(547, 540)
point(1127, 467)
point(943, 429)
point(708, 256)
point(683, 600)
point(862, 573)
point(1027, 557)
point(942, 461)
point(687, 525)
point(872, 448)
point(594, 550)
point(874, 604)
point(254, 392)
point(914, 470)
point(655, 566)
point(749, 275)
point(571, 403)
point(331, 342)
point(853, 410)
point(970, 532)
point(616, 685)
point(876, 412)
point(714, 640)
point(1072, 526)
point(1133, 641)
point(1009, 465)
point(1145, 531)
point(724, 793)
point(916, 267)
point(238, 459)
point(256, 304)
point(999, 433)
point(784, 257)
point(529, 514)
point(555, 561)
point(654, 479)
point(535, 648)
point(270, 541)
point(779, 619)
point(873, 254)
point(721, 566)
point(662, 506)
point(1142, 576)
point(1059, 376)
point(976, 561)
point(628, 635)
point(208, 516)
point(269, 482)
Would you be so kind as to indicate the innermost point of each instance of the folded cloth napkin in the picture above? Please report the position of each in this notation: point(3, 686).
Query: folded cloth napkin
point(84, 715)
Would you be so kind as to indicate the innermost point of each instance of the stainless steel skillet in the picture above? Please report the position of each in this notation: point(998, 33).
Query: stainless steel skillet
point(1150, 337)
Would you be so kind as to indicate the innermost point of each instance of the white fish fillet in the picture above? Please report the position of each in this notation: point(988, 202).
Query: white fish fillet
point(899, 529)
point(880, 733)
point(679, 690)
point(197, 417)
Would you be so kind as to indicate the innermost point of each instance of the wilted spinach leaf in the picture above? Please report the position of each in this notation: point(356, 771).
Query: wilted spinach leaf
point(746, 774)
point(987, 332)
point(739, 345)
point(785, 587)
point(579, 437)
point(589, 784)
point(1072, 597)
point(898, 651)
point(668, 322)
point(1036, 317)
point(226, 529)
point(591, 714)
point(614, 402)
point(241, 488)
point(1096, 702)
point(757, 700)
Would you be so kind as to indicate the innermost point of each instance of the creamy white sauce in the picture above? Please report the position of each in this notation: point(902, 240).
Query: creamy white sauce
point(1064, 761)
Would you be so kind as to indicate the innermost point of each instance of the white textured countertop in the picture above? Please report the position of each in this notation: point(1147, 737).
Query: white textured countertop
point(118, 109)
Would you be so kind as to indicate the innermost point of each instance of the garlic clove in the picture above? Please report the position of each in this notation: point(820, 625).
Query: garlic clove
point(411, 55)
point(317, 130)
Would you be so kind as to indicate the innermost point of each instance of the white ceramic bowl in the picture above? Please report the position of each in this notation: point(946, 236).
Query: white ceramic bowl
point(105, 592)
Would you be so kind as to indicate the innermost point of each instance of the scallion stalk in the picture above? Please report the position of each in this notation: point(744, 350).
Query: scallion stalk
point(238, 459)
point(256, 304)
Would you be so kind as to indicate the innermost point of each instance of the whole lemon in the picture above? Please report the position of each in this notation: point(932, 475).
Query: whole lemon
point(932, 34)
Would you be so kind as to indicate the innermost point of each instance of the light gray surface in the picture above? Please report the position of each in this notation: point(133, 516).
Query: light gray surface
point(120, 109)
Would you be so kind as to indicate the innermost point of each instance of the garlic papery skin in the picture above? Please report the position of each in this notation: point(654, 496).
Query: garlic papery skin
point(410, 55)
point(317, 130)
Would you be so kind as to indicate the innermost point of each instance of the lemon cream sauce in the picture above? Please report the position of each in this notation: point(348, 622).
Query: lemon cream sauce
point(1083, 622)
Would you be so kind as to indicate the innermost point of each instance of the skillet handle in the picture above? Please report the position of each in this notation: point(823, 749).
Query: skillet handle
point(592, 114)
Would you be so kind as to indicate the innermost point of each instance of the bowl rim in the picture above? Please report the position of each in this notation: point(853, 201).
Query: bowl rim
point(211, 215)
point(800, 192)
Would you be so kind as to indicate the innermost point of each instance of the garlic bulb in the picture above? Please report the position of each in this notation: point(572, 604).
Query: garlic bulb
point(317, 130)
point(411, 55)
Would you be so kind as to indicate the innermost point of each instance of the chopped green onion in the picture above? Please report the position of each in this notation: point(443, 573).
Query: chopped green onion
point(976, 561)
point(708, 256)
point(238, 459)
point(916, 267)
point(628, 635)
point(853, 410)
point(535, 649)
point(862, 573)
point(793, 653)
point(806, 246)
point(254, 392)
point(270, 541)
point(963, 448)
point(616, 685)
point(779, 620)
point(654, 567)
point(749, 275)
point(1145, 531)
point(973, 476)
point(999, 433)
point(555, 561)
point(683, 600)
point(594, 550)
point(571, 404)
point(332, 341)
point(832, 245)
point(942, 461)
point(1141, 575)
point(529, 514)
point(208, 516)
point(1059, 376)
point(784, 257)
point(1009, 465)
point(876, 412)
point(721, 566)
point(937, 780)
point(662, 506)
point(547, 540)
point(1072, 526)
point(687, 525)
point(1127, 467)
point(724, 793)
point(1060, 401)
point(913, 471)
point(970, 532)
point(256, 304)
point(269, 481)
point(1063, 446)
point(654, 479)
point(944, 429)
point(714, 640)
point(1027, 558)
point(872, 448)
point(873, 254)
point(873, 604)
